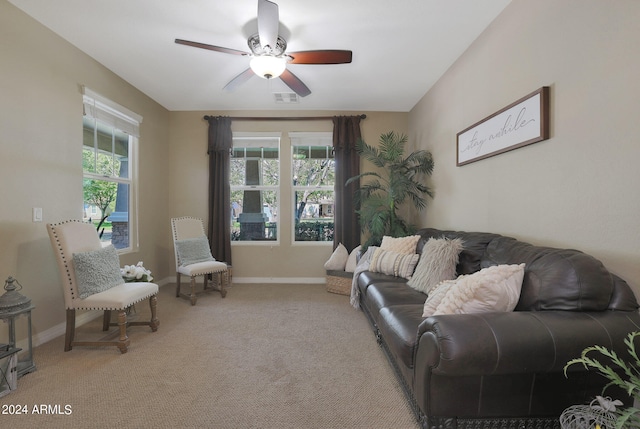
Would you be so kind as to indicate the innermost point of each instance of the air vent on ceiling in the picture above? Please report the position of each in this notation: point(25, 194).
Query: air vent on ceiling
point(286, 97)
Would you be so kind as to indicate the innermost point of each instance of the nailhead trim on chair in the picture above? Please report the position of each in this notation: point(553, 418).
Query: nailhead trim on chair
point(64, 257)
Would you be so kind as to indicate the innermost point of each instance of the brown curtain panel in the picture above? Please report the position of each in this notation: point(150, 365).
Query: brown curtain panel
point(346, 133)
point(219, 222)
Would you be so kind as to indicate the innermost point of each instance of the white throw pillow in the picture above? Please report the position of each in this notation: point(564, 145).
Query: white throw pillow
point(491, 289)
point(437, 263)
point(405, 245)
point(436, 295)
point(393, 263)
point(338, 259)
point(352, 260)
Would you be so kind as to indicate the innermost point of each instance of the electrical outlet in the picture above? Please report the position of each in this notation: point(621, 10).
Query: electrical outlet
point(37, 214)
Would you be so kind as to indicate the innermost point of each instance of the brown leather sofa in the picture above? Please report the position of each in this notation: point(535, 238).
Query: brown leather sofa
point(503, 370)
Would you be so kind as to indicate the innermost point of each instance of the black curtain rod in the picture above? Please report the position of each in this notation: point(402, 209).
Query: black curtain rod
point(276, 118)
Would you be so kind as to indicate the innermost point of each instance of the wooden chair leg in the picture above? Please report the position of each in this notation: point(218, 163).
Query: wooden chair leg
point(123, 341)
point(224, 282)
point(106, 320)
point(153, 303)
point(177, 285)
point(194, 298)
point(71, 329)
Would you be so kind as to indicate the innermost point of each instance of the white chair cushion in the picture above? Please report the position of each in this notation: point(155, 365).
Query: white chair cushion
point(201, 268)
point(118, 297)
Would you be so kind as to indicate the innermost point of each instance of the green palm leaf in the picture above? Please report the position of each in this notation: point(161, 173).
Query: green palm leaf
point(398, 180)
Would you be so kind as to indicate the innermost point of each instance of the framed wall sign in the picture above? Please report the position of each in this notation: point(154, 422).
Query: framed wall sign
point(521, 123)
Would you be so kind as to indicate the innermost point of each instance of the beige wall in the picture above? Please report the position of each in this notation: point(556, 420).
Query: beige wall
point(578, 189)
point(188, 190)
point(41, 166)
point(41, 161)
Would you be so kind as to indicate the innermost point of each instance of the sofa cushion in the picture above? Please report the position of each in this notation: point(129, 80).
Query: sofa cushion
point(398, 326)
point(385, 294)
point(623, 298)
point(437, 263)
point(555, 279)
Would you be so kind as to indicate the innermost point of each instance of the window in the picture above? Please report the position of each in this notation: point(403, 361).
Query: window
point(108, 146)
point(255, 179)
point(313, 170)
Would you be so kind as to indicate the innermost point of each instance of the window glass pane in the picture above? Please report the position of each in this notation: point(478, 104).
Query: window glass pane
point(254, 215)
point(251, 167)
point(314, 215)
point(105, 150)
point(313, 166)
point(313, 169)
point(106, 205)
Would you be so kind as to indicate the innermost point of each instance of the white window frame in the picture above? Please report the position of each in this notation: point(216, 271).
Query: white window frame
point(311, 138)
point(259, 140)
point(119, 117)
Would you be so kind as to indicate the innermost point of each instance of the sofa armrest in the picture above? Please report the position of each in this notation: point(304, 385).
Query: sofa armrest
point(516, 342)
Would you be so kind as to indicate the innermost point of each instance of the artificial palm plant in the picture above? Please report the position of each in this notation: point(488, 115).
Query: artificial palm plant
point(399, 179)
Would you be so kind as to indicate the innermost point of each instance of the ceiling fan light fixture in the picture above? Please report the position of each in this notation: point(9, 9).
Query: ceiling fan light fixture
point(268, 66)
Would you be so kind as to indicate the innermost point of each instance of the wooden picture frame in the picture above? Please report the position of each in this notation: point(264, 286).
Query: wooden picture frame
point(521, 123)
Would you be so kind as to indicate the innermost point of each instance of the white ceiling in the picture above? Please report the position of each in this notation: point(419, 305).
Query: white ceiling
point(400, 48)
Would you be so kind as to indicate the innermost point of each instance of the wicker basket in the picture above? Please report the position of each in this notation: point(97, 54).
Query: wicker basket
point(339, 282)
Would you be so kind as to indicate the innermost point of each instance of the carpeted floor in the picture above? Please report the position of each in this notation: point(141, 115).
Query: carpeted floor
point(266, 356)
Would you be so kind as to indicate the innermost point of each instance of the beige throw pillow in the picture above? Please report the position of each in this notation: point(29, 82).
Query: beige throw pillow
point(352, 260)
point(491, 289)
point(338, 259)
point(436, 296)
point(437, 263)
point(393, 263)
point(405, 245)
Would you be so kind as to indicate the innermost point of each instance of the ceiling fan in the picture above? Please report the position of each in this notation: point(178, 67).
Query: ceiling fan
point(268, 54)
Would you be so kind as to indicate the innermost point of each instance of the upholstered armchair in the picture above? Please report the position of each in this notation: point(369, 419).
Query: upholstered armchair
point(91, 280)
point(193, 257)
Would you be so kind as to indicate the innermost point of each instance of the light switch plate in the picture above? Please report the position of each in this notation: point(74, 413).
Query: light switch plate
point(37, 214)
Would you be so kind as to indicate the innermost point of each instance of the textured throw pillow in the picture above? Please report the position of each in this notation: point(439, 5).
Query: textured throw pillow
point(393, 263)
point(491, 289)
point(96, 271)
point(437, 263)
point(193, 250)
point(338, 259)
point(352, 260)
point(436, 295)
point(405, 245)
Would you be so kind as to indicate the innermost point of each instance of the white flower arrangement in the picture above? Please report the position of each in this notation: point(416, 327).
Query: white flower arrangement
point(135, 273)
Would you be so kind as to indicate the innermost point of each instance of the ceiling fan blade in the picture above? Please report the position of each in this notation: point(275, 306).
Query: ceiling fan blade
point(210, 47)
point(327, 56)
point(239, 80)
point(295, 83)
point(268, 23)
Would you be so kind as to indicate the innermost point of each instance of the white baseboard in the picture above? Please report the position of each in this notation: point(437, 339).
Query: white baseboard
point(287, 280)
